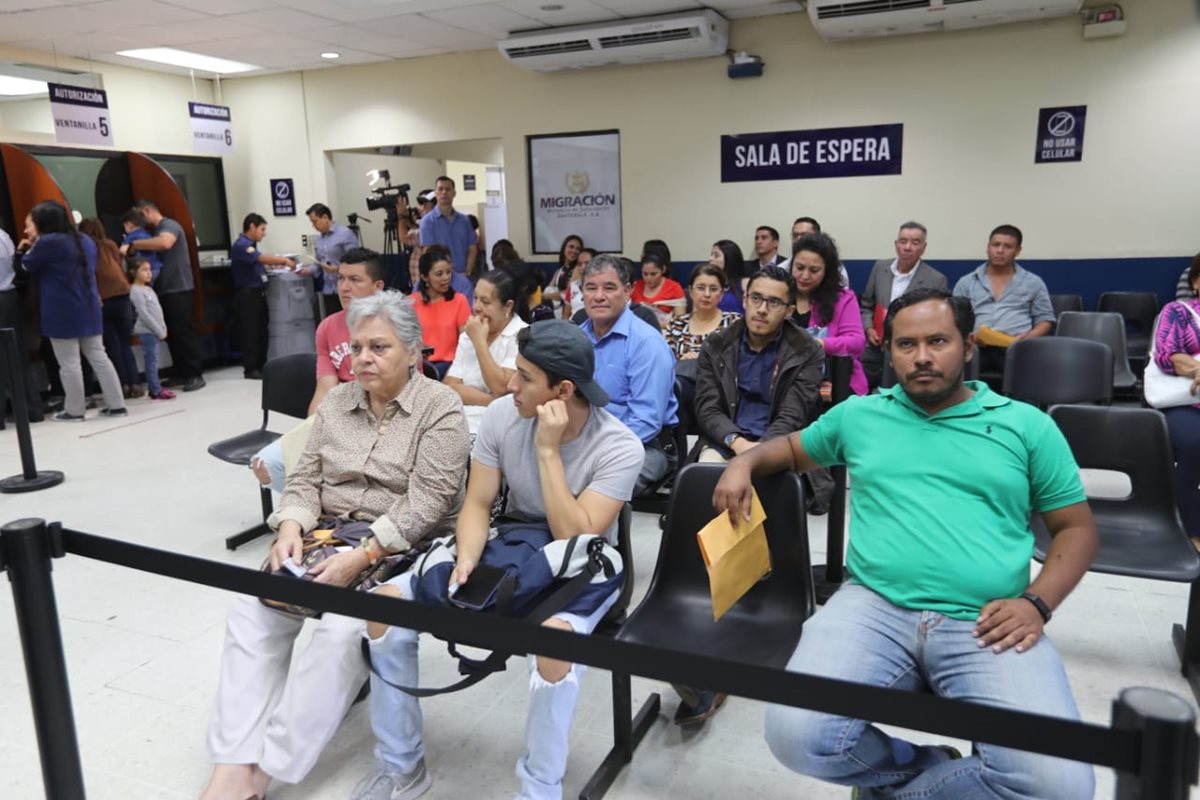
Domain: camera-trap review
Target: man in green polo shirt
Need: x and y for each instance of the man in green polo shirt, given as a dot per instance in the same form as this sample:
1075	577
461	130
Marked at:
945	475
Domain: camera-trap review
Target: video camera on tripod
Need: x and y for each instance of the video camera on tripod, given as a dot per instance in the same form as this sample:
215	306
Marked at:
385	197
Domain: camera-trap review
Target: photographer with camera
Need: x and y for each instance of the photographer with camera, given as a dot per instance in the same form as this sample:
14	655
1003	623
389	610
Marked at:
333	241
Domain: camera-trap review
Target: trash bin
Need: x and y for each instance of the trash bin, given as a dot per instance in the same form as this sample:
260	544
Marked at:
290	324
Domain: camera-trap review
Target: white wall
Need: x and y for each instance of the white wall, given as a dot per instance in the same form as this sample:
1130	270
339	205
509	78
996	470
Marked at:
968	100
28	116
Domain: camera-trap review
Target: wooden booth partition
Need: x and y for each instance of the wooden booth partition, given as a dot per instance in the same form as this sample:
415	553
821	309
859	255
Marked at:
29	183
150	181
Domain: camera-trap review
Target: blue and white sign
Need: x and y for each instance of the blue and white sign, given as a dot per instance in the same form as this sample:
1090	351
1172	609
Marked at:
1060	134
212	129
819	153
283	197
80	115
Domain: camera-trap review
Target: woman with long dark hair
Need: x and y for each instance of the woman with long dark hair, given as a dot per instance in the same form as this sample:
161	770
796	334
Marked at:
117	310
568	261
64	263
443	312
728	256
827	311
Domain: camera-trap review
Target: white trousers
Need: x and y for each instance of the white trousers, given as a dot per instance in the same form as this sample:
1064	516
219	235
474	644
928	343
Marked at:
264	715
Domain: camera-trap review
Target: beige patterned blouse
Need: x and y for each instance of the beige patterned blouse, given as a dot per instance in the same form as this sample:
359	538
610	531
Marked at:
404	473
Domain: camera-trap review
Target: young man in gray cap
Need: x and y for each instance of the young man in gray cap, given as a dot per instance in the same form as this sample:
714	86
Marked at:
566	462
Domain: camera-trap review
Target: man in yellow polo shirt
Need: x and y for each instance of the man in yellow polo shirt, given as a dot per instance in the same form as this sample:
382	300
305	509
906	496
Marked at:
945	475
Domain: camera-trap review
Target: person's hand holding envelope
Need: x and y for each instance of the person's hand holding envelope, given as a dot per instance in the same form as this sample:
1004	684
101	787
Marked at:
736	557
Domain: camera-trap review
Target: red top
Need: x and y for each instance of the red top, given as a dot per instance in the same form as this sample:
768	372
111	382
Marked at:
440	323
670	290
333	348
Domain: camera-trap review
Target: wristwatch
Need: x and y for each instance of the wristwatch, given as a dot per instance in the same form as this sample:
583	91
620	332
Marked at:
728	440
1040	605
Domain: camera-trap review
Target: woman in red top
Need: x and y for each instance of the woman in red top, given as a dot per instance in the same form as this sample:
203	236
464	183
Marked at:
658	291
442	311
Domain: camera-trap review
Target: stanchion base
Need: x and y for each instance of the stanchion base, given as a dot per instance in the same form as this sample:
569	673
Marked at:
822	588
16	484
1191	672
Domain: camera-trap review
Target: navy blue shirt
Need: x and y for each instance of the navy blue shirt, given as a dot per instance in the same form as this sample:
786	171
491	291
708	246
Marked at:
247	272
755	371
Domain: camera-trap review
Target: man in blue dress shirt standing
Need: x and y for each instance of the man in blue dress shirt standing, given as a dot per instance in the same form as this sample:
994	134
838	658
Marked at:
334	240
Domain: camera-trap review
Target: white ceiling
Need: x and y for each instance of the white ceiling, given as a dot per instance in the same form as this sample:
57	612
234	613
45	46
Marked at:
286	35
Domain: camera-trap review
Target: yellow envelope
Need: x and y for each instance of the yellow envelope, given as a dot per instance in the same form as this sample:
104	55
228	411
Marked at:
736	558
990	337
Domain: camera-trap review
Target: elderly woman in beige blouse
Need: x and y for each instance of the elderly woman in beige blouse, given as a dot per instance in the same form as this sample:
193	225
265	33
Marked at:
389	448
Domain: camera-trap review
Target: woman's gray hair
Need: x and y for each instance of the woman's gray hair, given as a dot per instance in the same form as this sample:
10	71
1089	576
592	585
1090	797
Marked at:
393	307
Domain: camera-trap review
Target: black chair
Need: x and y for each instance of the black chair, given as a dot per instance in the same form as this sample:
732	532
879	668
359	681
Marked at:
287	388
1066	302
762	628
656	497
1050	370
1141	535
1138	309
888	380
616	614
1107	328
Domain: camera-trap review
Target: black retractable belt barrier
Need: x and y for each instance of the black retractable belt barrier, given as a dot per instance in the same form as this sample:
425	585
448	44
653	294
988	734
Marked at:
30	480
1141	721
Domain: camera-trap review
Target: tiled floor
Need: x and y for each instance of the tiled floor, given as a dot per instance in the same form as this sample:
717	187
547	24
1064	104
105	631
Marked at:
143	650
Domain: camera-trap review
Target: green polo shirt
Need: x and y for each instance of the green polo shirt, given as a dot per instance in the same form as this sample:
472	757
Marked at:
939	512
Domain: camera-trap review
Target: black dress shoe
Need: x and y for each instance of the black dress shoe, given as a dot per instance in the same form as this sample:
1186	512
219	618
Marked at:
252	375
194	383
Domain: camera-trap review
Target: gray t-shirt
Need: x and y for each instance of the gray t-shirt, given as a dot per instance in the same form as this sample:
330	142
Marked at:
606	457
176	275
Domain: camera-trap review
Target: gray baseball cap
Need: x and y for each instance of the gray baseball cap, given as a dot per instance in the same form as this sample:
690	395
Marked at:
561	348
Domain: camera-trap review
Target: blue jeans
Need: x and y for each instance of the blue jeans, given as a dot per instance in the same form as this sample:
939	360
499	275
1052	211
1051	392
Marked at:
149	344
859	636
396	716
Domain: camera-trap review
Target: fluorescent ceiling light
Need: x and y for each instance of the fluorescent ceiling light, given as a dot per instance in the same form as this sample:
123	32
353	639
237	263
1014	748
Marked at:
182	58
331	55
16	87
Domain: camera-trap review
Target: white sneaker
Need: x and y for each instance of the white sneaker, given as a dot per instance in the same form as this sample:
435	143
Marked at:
384	785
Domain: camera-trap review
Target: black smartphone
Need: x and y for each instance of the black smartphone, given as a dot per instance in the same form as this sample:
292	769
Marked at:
480	587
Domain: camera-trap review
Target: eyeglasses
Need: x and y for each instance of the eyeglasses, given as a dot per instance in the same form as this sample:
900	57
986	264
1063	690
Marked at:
774	303
707	289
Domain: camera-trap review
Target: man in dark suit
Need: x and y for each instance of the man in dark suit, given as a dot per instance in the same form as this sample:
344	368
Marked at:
891	278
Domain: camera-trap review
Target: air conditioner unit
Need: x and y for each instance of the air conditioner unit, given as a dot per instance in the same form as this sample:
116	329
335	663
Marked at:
848	19
628	41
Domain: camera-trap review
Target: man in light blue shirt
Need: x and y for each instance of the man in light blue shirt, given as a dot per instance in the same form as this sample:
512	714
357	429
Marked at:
333	242
445	226
634	365
1005	297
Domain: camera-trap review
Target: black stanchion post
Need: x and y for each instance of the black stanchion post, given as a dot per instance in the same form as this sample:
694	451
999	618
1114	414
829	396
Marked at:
27	546
827	577
30	480
1170	760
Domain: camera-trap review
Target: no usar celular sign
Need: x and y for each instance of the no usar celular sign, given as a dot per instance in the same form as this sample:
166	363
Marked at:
80	115
818	153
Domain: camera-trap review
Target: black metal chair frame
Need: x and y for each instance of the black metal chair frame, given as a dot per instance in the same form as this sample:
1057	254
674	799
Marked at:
291	400
679	565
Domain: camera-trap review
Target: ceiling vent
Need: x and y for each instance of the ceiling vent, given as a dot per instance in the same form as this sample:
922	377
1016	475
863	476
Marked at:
837	19
628	41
